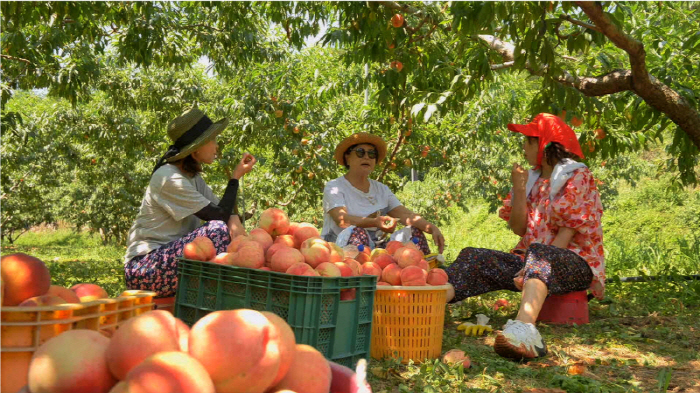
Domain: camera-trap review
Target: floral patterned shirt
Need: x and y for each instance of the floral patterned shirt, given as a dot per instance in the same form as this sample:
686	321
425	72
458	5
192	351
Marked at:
577	205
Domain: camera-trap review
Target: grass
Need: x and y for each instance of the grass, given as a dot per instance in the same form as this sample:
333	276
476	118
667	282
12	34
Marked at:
643	337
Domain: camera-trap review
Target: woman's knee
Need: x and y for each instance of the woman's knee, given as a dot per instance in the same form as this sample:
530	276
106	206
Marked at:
217	226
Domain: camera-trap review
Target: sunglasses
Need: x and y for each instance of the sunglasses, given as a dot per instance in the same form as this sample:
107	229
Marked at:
360	152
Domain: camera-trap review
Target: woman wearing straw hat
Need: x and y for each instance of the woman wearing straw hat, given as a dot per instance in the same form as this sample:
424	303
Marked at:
358	210
176	201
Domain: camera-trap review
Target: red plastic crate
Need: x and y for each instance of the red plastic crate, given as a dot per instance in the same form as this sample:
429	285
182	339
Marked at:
567	309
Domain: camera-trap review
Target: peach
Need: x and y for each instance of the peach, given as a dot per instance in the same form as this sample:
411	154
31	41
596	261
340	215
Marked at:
437	277
455	357
272	250
406	257
142	336
384	260
423	264
309	373
274	221
238	242
372	269
287	240
250	255
220	339
72	362
121	387
285	258
328	269
345	270
169	372
354	265
89	292
64	293
265	268
23	276
292	228
288	344
414	246
315	251
303	232
337	253
392	274
383	284
376	253
392	246
224	258
43	300
362	257
262	237
413	276
302	269
348	294
200	249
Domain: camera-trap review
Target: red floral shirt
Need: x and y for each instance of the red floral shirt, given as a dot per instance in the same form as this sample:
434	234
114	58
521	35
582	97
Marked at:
577	205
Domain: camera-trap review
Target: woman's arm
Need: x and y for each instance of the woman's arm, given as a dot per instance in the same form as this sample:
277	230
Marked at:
563	237
343	219
409	218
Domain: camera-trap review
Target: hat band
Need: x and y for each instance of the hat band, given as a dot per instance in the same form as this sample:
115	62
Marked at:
193	133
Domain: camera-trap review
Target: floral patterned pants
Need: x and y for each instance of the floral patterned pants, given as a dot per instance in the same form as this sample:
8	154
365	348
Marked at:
480	270
360	236
157	270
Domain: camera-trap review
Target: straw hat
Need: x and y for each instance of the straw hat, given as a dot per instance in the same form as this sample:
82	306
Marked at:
358	139
192	130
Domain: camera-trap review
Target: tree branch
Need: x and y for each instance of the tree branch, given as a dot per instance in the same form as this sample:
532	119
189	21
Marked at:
8	57
578	22
657	94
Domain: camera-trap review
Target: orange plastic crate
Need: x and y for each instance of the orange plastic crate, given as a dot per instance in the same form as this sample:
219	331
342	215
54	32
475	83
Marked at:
24	329
408	322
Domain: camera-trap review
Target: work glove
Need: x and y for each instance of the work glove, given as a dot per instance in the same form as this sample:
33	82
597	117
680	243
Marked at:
477	329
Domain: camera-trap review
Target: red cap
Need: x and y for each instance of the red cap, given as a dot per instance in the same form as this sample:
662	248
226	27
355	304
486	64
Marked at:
549	128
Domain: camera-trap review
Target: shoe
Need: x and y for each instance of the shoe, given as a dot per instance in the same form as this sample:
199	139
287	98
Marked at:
519	341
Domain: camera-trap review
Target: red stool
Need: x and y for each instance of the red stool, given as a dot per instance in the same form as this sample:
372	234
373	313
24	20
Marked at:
165	303
567	309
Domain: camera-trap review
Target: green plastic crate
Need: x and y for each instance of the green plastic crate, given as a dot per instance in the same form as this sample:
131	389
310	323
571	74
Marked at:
341	330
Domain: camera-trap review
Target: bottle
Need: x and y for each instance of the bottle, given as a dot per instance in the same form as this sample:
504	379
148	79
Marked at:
351	251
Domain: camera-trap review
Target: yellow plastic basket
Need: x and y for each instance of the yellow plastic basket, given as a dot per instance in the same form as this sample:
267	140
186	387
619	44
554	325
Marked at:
24	329
408	322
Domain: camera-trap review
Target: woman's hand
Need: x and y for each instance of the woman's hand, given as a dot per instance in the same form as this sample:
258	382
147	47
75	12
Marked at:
244	166
519	278
386	223
518	177
438	239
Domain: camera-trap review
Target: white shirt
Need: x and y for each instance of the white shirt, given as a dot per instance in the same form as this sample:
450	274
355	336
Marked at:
339	192
167	210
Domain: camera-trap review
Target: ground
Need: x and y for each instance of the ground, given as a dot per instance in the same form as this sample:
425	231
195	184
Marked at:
643	337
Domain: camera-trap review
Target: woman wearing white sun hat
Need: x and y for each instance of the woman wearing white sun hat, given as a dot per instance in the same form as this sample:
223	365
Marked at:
358	210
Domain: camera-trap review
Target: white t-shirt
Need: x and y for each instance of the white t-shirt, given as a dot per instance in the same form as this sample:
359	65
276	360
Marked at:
167	210
339	192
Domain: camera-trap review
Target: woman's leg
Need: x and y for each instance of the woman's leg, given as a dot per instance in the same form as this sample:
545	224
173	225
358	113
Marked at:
554	270
422	240
547	269
157	270
480	270
359	236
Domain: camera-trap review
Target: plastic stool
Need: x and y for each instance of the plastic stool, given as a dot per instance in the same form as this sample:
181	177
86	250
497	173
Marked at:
567	309
165	303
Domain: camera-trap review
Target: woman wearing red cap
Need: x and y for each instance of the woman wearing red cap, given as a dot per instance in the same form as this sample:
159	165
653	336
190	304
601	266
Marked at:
556	209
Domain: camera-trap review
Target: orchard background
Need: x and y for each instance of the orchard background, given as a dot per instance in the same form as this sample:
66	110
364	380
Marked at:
88	89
